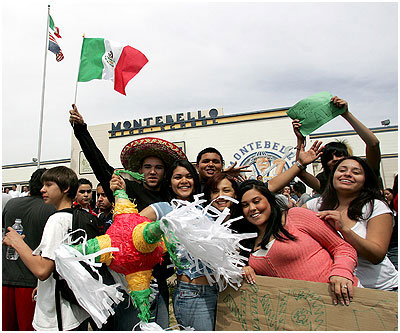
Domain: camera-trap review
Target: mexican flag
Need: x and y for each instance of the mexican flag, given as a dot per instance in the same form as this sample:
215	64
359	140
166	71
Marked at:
108	60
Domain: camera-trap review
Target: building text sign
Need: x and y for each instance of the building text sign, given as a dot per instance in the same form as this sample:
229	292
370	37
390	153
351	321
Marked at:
165	123
266	158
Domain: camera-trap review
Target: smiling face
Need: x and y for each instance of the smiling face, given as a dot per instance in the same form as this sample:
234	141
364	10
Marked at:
349	177
223	188
209	165
153	170
182	183
256	208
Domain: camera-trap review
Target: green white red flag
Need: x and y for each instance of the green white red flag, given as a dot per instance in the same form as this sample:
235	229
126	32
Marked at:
53	44
108	60
54	28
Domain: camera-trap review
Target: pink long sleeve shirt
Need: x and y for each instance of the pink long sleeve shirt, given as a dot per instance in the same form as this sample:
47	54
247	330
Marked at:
317	253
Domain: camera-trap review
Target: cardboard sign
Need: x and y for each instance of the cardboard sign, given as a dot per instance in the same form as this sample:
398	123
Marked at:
274	304
314	111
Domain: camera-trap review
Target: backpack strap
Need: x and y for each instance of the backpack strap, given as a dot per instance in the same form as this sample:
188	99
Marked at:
58	307
56	277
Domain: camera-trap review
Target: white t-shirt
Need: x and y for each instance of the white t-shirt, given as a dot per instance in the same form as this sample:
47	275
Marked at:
381	276
45	317
14	194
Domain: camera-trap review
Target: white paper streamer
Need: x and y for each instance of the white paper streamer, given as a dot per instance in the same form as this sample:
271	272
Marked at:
155	327
94	296
197	237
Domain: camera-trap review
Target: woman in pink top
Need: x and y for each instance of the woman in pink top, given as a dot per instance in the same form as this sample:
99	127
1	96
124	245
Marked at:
294	244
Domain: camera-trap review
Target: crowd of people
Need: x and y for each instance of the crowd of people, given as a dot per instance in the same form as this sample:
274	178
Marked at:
344	234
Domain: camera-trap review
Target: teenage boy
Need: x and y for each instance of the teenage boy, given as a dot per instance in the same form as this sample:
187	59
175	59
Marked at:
84	195
150	157
59	188
18	281
209	162
300	190
105	208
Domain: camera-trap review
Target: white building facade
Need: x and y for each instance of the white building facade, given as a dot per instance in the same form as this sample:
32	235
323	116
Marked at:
264	139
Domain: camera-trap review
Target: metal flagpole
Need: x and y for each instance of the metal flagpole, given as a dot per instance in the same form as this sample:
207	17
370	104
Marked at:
79	68
43	89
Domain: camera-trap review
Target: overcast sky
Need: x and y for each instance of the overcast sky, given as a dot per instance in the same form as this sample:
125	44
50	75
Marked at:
236	55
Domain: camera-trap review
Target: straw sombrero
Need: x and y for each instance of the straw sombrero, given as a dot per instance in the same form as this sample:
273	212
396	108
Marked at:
135	151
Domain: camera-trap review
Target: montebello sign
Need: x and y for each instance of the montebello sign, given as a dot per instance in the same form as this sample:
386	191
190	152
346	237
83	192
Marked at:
165	123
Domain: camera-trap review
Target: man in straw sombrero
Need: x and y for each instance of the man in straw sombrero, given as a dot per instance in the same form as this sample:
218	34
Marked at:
151	157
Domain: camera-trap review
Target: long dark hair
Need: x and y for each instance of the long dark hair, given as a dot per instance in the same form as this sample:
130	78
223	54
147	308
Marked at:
274	226
336	148
189	167
368	192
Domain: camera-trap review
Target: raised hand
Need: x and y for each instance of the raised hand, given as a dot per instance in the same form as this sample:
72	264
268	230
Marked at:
296	129
75	117
309	156
340	103
117	183
235	172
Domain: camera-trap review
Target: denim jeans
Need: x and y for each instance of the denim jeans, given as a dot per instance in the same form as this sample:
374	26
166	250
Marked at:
160	306
126	315
393	255
195	305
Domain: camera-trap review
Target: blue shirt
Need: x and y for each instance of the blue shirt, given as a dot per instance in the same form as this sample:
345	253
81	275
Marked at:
161	209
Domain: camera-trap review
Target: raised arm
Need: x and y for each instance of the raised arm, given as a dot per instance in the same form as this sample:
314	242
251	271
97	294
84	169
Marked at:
101	169
307	178
235	172
372	150
305	158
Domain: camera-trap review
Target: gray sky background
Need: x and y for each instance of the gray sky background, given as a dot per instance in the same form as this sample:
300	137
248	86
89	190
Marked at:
236	55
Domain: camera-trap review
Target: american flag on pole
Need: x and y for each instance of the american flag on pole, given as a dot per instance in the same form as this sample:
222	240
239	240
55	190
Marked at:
55	48
53	45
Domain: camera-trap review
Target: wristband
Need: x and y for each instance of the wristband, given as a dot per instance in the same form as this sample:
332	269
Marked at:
301	166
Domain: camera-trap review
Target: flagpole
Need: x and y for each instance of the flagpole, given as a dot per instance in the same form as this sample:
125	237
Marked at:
43	90
79	68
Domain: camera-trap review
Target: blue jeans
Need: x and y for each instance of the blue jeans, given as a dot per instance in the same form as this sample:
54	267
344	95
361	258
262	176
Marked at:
126	315
160	306
196	305
393	255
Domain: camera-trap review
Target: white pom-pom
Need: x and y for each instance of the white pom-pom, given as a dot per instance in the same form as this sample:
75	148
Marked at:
198	237
94	296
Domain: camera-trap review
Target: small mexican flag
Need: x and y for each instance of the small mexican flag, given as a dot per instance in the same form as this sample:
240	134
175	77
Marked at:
108	60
